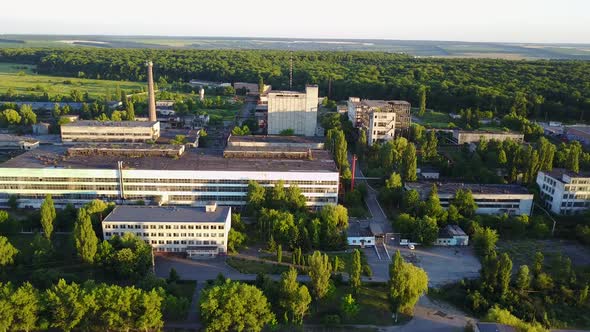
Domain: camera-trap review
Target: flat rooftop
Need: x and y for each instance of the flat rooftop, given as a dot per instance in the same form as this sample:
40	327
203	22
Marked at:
558	173
276	139
450	231
358	229
198	159
382	103
95	123
450	188
14	138
134	213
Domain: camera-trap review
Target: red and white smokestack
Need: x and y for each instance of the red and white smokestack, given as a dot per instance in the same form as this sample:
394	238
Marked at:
151	93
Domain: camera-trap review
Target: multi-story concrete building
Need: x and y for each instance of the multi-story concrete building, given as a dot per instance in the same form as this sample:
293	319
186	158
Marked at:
465	137
293	110
190	177
110	131
379	118
381	126
564	192
198	232
490	198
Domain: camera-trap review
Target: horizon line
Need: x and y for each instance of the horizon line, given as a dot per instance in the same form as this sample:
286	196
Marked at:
294	38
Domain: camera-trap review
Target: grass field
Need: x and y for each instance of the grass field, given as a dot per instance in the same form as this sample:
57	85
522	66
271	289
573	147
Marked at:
433	119
23	81
373	305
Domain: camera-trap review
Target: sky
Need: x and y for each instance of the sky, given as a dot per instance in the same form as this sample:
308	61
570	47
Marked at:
534	21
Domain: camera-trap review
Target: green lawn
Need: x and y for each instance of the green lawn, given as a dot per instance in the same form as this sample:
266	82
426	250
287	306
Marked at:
433	119
373	306
25	82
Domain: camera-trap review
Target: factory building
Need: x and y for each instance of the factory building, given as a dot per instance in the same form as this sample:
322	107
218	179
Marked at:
490	198
564	192
293	110
12	142
465	137
379	118
110	131
163	175
198	232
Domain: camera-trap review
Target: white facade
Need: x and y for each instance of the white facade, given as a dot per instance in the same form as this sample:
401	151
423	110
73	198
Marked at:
381	127
564	192
198	238
169	187
361	241
293	110
490	199
110	131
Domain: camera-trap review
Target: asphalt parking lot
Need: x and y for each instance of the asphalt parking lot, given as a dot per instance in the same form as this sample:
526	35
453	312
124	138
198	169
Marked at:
442	264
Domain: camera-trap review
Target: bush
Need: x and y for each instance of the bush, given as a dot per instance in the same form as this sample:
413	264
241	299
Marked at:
331	320
367	271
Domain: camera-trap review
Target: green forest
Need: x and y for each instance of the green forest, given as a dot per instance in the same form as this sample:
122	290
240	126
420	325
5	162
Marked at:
544	89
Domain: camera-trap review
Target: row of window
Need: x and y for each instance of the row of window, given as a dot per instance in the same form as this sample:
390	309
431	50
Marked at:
244	183
186	241
160	226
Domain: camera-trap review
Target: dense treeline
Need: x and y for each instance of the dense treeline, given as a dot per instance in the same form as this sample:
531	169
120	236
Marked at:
556	89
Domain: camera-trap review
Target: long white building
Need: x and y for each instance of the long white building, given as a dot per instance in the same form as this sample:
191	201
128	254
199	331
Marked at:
564	192
293	110
490	198
194	178
198	232
110	131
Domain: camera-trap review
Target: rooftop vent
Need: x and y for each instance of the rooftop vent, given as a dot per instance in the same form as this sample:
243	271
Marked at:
210	206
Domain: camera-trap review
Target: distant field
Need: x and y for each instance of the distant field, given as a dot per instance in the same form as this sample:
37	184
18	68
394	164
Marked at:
413	47
21	79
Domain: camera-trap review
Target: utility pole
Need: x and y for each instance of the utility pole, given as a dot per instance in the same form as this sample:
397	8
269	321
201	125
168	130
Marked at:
354	158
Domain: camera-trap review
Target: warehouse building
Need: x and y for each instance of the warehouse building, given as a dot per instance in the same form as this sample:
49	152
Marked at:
452	235
159	175
490	198
564	192
110	131
465	137
198	232
297	111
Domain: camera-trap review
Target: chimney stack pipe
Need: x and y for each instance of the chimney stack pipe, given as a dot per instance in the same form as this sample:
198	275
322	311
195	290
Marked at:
151	93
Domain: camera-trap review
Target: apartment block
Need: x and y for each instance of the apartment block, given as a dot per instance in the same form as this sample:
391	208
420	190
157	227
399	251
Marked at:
564	192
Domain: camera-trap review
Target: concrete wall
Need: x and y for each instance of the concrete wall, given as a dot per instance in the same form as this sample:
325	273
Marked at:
462	137
297	111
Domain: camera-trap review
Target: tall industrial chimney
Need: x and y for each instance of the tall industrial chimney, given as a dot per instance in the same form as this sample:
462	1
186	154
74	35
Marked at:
151	93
